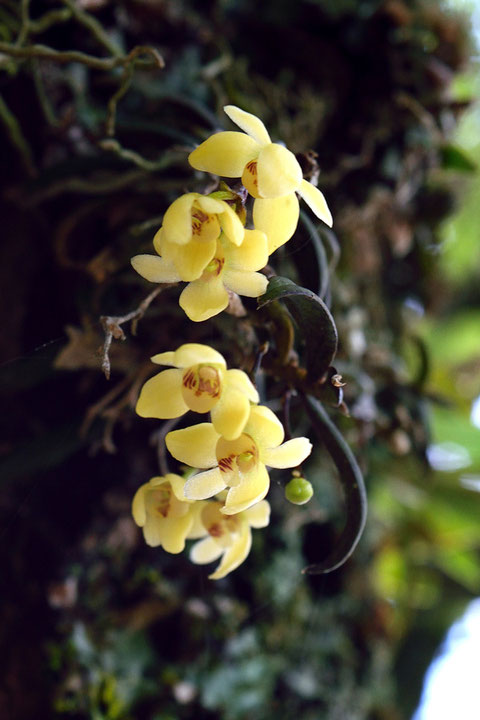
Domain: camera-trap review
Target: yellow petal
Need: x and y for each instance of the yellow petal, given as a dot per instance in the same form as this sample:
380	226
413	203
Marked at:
157	241
258	516
232	225
252	253
225	153
138	505
251	124
240	381
166	249
161	396
230	414
177	221
205	485
210	205
170	533
290	454
250	284
250	491
264	427
316	201
194	446
278	171
192	354
203	299
198	528
166	358
156	481
278	218
205	551
178	484
235	554
155	269
152	531
191	260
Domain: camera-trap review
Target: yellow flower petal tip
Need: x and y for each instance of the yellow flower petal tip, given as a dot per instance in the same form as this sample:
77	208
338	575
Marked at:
228	537
268	170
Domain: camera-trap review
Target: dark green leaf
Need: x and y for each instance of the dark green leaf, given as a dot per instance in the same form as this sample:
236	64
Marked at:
321	255
314	321
352	482
454	158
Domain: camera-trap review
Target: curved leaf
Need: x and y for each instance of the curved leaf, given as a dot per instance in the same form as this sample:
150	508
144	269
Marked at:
321	255
352	482
312	317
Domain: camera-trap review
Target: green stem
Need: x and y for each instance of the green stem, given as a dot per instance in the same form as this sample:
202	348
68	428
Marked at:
47	53
45	103
16	136
96	28
135	158
52	17
127	76
25	22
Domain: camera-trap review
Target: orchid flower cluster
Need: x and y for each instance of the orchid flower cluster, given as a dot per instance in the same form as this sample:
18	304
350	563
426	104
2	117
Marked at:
203	241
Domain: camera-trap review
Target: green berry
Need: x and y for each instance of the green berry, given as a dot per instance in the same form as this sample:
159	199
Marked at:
298	491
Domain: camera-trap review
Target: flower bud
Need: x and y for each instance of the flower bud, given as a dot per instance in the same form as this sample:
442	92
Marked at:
298	491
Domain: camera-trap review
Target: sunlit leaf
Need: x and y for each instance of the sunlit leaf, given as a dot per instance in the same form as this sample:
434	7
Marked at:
454	158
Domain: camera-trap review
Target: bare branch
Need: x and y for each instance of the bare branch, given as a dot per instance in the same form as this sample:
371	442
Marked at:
16	135
64	56
112	325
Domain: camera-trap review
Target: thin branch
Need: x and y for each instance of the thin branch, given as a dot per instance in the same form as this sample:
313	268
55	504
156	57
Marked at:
96	28
143	227
127	75
114	146
261	352
25	22
112	324
85	186
52	17
286	407
16	136
158	439
42	95
65	56
125	393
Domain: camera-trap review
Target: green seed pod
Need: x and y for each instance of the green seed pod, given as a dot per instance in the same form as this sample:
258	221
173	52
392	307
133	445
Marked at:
298	491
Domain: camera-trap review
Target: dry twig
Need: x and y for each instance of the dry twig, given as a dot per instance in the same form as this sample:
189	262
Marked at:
112	324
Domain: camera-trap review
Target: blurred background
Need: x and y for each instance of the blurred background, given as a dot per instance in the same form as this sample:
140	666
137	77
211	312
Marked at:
93	149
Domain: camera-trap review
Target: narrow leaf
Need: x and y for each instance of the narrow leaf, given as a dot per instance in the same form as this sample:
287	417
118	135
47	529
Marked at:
313	319
352	483
321	255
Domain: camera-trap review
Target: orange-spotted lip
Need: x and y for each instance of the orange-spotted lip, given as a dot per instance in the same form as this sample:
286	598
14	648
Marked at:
240	455
201	387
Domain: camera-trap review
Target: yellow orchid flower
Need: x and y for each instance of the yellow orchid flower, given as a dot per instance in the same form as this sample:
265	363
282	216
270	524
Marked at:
161	509
188	237
270	172
229	268
199	381
228	536
238	464
200	217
